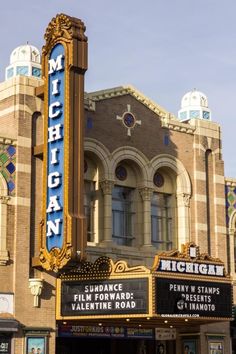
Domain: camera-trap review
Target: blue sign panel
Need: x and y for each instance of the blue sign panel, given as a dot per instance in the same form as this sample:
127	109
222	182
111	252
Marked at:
55	149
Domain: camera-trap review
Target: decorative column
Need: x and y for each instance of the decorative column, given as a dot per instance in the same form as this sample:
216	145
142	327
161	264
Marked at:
107	187
4	256
183	202
146	194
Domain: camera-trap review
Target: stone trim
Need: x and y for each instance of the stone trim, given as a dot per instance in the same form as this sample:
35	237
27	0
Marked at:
24	142
19	201
201	227
219	179
200	175
200	198
220	229
168	120
21	167
219	201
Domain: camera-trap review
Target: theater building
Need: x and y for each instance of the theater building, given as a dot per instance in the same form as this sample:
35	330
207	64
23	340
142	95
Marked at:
116	233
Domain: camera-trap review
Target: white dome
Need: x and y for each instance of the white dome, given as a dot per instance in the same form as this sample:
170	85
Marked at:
194	98
25	53
25	60
194	105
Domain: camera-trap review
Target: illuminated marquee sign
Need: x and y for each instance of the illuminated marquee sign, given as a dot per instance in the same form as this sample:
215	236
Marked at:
123	296
64	62
180	266
193	298
55	159
189	263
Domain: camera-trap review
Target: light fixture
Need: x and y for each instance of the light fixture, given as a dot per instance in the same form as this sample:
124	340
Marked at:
140	325
171	326
148	318
100	324
127	319
165	321
186	320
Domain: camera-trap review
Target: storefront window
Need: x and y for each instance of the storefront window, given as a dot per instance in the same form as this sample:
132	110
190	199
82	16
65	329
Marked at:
122	215
161	221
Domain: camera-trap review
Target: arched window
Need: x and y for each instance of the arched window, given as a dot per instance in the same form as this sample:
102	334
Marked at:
163	209
122	215
125	203
162	221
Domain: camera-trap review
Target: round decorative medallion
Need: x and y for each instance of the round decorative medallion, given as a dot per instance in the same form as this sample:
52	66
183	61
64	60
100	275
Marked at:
129	120
158	180
121	173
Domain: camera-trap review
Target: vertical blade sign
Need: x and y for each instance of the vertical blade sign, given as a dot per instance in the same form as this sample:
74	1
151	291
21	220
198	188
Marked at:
64	62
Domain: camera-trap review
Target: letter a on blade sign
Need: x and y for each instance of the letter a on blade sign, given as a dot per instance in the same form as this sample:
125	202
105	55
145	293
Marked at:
62	228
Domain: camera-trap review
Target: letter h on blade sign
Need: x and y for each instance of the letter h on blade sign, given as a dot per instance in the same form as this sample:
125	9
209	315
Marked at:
62	228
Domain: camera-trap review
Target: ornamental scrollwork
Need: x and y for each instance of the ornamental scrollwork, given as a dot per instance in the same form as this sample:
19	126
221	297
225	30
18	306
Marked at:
63	26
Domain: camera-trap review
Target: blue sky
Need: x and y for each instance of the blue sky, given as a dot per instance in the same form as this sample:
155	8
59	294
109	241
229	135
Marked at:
162	47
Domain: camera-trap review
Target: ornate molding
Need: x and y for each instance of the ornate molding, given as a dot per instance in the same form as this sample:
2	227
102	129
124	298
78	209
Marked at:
103	267
107	186
183	199
185	254
175	125
7	141
56	258
4	199
128	89
146	193
63	27
231	182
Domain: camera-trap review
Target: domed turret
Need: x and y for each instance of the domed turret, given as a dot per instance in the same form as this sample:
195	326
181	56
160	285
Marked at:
194	105
24	60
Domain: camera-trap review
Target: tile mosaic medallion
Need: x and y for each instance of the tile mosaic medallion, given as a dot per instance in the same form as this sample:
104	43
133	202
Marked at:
8	166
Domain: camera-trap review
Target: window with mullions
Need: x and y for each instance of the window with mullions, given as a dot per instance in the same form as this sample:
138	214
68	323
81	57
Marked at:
161	221
89	208
122	215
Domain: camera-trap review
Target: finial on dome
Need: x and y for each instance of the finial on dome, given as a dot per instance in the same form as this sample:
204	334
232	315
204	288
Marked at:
24	60
194	105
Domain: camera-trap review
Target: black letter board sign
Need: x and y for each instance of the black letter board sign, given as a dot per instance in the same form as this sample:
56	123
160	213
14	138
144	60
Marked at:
194	298
105	297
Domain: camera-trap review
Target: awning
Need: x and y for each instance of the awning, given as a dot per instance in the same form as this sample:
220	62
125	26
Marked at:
9	325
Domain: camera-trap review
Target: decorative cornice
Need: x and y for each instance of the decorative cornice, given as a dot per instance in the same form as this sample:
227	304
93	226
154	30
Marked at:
89	104
168	120
177	126
126	90
7	141
231	182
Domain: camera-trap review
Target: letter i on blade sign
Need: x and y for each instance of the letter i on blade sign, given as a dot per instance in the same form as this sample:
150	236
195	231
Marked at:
62	228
